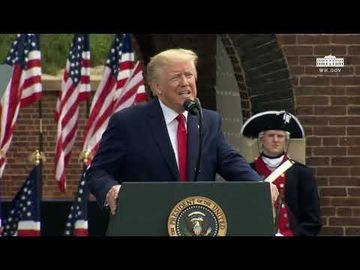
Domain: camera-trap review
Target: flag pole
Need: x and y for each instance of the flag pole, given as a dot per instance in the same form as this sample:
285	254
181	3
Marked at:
85	156
38	157
40	148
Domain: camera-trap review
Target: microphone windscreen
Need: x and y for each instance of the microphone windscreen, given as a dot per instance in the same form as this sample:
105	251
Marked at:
191	106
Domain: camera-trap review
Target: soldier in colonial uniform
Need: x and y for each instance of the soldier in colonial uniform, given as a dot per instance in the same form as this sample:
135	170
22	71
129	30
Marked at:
298	206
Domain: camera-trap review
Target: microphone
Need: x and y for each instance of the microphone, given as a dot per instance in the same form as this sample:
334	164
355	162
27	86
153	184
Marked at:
191	106
194	108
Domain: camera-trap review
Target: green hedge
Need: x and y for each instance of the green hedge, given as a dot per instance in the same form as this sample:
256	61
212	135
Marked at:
55	47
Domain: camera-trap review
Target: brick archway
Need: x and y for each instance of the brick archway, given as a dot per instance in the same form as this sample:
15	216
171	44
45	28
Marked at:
260	64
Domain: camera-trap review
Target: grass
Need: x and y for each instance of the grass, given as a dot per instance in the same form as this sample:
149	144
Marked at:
55	47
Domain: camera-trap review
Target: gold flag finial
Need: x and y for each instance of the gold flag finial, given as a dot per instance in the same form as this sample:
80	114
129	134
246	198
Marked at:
36	156
86	157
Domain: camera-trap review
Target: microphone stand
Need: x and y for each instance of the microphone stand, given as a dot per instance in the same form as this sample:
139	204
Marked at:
200	118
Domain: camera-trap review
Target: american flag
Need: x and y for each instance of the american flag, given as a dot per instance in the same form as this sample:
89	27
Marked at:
75	88
77	221
133	91
23	217
115	92
23	89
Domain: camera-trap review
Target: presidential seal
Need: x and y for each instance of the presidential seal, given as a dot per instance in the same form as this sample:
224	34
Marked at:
197	216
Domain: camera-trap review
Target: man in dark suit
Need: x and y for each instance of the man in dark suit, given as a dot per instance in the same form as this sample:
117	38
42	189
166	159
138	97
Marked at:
147	142
298	208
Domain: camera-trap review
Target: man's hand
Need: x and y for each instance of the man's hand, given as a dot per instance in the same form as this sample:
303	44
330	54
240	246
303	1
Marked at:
111	198
274	193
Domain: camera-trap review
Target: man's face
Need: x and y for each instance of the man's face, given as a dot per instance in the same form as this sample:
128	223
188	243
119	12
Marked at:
176	82
273	142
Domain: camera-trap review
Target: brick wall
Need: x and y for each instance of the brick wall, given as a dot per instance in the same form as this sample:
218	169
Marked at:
328	105
26	140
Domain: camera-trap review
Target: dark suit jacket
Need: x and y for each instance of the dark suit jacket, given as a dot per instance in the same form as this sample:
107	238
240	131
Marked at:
136	147
302	199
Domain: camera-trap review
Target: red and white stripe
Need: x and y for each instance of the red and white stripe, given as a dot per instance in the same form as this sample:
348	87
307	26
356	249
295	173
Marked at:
100	111
28	228
133	90
67	115
81	228
105	100
23	89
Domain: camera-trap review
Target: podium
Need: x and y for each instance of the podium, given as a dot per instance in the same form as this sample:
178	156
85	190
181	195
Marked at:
193	208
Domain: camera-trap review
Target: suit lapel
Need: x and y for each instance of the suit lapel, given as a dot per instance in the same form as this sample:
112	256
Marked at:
193	145
161	137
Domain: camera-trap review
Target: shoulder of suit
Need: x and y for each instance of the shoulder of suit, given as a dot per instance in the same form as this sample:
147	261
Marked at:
129	115
132	110
210	112
299	164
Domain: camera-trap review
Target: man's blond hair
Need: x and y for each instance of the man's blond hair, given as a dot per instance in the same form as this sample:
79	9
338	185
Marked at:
164	58
262	134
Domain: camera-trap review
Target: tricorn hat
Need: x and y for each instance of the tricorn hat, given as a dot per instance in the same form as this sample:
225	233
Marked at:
277	120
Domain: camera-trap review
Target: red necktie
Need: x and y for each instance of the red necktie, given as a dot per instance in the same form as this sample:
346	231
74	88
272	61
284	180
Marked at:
182	147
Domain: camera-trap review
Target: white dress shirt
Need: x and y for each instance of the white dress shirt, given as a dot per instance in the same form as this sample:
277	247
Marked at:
172	125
